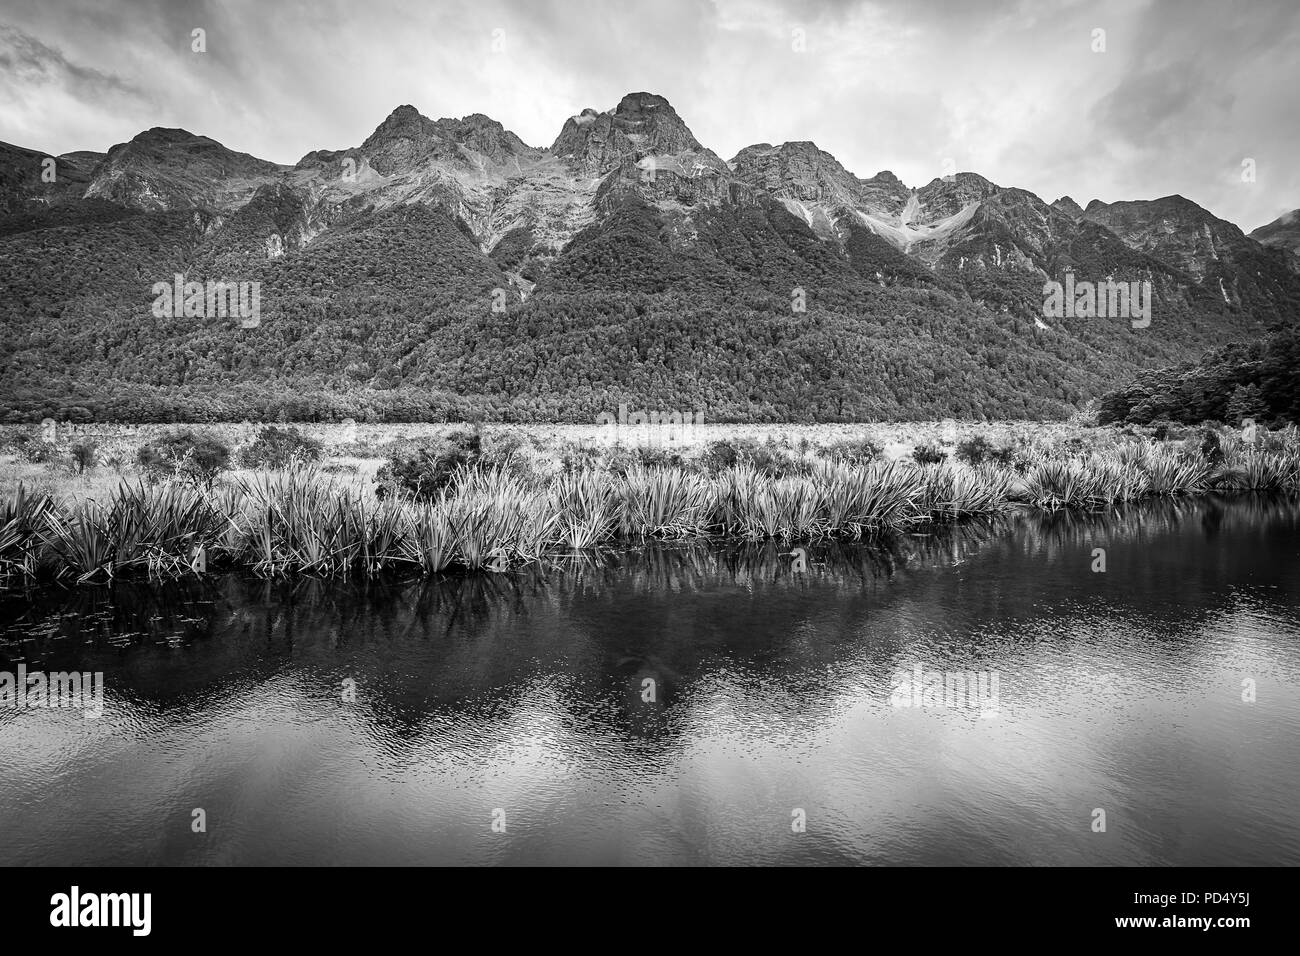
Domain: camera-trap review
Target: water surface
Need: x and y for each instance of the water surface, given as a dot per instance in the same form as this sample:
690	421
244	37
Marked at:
523	698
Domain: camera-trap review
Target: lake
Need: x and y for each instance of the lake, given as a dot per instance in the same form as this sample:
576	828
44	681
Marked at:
972	695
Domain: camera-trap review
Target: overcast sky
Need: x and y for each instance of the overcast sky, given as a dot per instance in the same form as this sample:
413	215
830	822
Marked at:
1183	93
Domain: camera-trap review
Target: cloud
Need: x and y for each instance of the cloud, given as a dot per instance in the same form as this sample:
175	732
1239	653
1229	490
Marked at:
1014	91
47	98
27	62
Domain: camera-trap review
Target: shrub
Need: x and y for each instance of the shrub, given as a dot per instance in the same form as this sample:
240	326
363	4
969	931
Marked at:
1007	456
84	455
852	449
620	460
974	450
578	458
768	460
928	455
719	455
279	448
655	457
195	455
33	449
514	455
1283	441
361	449
1211	447
426	472
1074	445
502	448
1164	430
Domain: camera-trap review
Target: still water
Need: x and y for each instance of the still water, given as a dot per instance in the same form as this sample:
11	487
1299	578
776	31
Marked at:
690	703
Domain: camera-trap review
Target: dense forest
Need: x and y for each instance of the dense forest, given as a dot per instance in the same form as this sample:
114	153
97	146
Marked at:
398	315
1259	380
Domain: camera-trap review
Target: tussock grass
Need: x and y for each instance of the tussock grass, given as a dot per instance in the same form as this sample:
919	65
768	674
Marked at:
490	517
1251	469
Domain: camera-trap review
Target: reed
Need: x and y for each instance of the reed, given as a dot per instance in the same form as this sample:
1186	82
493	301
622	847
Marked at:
428	541
301	520
21	518
157	527
1171	473
585	507
664	501
864	498
783	508
496	518
295	520
956	491
1098	481
1250	469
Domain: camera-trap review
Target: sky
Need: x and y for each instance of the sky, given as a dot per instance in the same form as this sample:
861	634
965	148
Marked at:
1171	96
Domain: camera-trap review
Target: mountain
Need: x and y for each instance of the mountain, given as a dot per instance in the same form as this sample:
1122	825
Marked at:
444	268
998	244
164	169
30	182
1282	233
1255	378
1217	254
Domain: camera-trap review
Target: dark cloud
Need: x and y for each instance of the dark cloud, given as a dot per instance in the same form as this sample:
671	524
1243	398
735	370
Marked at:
25	60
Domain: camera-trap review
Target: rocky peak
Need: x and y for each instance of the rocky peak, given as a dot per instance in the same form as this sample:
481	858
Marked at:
165	168
941	198
1173	229
641	125
319	158
404	140
403	116
163	135
885	192
1069	207
161	145
485	136
653	117
1166	214
797	170
407	141
966	184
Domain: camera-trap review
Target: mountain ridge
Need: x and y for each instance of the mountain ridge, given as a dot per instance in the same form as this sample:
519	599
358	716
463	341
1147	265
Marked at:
625	218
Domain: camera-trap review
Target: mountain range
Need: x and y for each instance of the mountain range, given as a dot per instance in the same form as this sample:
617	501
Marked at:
445	269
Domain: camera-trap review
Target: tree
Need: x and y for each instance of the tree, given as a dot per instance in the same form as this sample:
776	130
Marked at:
1246	402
